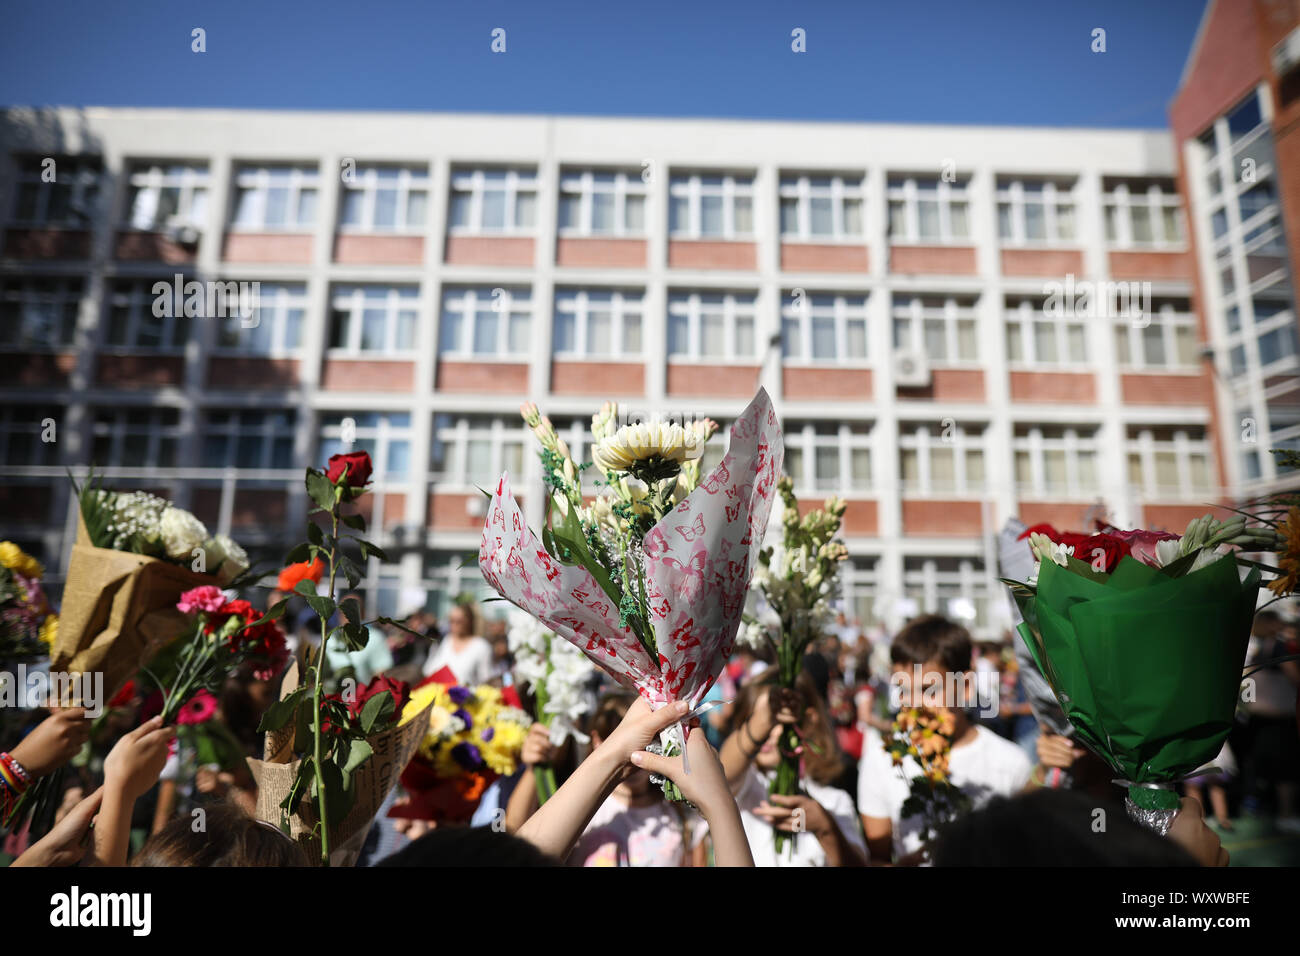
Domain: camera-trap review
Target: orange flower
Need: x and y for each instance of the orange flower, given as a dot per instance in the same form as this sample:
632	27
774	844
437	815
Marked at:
302	571
1288	562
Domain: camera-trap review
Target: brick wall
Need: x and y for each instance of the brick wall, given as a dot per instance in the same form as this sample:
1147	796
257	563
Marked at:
1174	518
252	372
932	260
1138	389
40	369
1075	388
722	381
267	247
47	244
139	371
362	375
1063	516
949	385
489	250
703	254
814	257
961	519
598	378
600	253
152	247
264	508
379	250
860	518
1053	263
836	384
485	377
1151	266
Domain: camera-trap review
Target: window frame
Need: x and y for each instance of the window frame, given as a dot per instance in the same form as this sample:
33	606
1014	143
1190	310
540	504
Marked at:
518	179
85	183
1077	439
626	185
801	434
513	296
70	290
622	306
258	178
284	299
267	434
733	309
691	185
956	310
1026	316
1011	191
394	304
845	308
384	434
189	177
915	436
411	178
501	431
1145	445
910	189
841	188
140	300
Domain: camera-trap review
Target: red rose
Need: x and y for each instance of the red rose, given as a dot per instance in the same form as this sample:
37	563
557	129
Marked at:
1105	546
400	690
356	464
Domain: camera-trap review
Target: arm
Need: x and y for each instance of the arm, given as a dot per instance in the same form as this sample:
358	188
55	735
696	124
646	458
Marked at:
131	768
744	743
523	801
53	742
706	787
879	832
801	812
555	828
65	844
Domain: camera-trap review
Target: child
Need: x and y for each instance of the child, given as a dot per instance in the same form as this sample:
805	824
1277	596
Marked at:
931	657
825	814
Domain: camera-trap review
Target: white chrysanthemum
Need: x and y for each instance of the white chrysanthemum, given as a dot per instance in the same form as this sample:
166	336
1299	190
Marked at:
226	558
181	533
647	440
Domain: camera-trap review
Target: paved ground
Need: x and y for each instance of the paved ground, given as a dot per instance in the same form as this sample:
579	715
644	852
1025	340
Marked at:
1255	841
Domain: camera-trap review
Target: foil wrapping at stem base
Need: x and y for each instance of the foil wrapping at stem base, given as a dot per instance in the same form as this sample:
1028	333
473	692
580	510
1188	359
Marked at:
1157	820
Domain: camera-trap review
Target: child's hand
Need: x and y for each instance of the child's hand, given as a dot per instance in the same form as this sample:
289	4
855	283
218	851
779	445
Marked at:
537	746
706	784
1189	831
795	814
639	728
134	763
1057	751
54	741
65	844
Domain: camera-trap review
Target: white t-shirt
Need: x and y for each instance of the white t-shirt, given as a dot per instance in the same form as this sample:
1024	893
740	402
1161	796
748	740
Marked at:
620	835
807	849
472	664
986	767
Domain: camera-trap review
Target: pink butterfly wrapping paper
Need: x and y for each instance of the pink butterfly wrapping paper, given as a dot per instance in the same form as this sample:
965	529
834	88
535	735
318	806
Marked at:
698	562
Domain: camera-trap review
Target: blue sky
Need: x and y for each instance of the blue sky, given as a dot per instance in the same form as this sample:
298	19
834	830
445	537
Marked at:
933	61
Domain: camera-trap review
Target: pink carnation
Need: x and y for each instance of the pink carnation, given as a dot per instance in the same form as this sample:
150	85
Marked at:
1142	543
205	599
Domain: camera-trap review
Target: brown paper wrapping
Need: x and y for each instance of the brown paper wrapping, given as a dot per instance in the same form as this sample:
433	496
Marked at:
118	610
392	750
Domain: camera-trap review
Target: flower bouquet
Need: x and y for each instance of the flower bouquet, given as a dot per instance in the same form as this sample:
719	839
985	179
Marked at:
557	673
925	735
649	579
1142	637
474	735
331	758
135	554
797	586
28	624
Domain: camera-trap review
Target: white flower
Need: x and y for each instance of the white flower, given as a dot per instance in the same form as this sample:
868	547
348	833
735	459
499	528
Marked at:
1168	551
1045	549
646	440
226	558
181	533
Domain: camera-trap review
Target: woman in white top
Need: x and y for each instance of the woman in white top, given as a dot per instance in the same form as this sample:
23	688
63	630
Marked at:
467	654
820	821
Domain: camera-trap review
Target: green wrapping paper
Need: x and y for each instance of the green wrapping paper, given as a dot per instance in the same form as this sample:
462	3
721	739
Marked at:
1147	667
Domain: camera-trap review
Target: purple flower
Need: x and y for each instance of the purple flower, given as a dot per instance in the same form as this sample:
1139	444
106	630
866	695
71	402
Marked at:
467	755
487	734
463	714
459	695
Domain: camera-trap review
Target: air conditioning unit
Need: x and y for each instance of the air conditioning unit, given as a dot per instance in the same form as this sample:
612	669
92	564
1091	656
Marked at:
476	505
911	370
1286	55
183	234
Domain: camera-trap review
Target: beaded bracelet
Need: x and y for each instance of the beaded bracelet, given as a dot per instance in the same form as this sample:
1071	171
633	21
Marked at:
13	774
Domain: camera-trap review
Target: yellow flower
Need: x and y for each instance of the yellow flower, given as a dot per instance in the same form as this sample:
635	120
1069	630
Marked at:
15	559
50	630
420	698
1288	563
502	751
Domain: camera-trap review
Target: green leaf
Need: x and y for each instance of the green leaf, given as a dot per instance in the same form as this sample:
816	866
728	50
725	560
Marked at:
397	624
355	636
299	554
319	603
341	796
368	549
350	570
300	782
279	713
314	534
377	712
320	489
356	521
358	753
273	613
351	608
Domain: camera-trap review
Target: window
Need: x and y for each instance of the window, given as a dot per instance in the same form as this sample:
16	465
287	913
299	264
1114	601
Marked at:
246	438
141	437
712	325
160	196
385	199
385	435
712	206
1168	341
275	326
29	433
1245	119
597	323
493	201
941	458
596	203
928	209
1036	337
373	318
447	576
473	450
821	207
485	322
861	585
1035	211
943	328
134	322
952	586
1169	462
276	197
39	313
1142	213
824	327
68	200
828	457
1056	460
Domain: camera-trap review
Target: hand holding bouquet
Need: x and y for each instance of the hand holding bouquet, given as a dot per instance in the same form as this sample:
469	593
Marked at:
925	736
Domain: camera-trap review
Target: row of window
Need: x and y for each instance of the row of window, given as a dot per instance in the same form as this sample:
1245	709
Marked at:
606	323
471	450
599	202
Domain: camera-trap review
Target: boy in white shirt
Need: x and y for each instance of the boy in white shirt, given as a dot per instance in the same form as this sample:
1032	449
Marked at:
931	660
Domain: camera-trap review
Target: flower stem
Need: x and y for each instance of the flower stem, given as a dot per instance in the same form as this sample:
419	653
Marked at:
318	675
